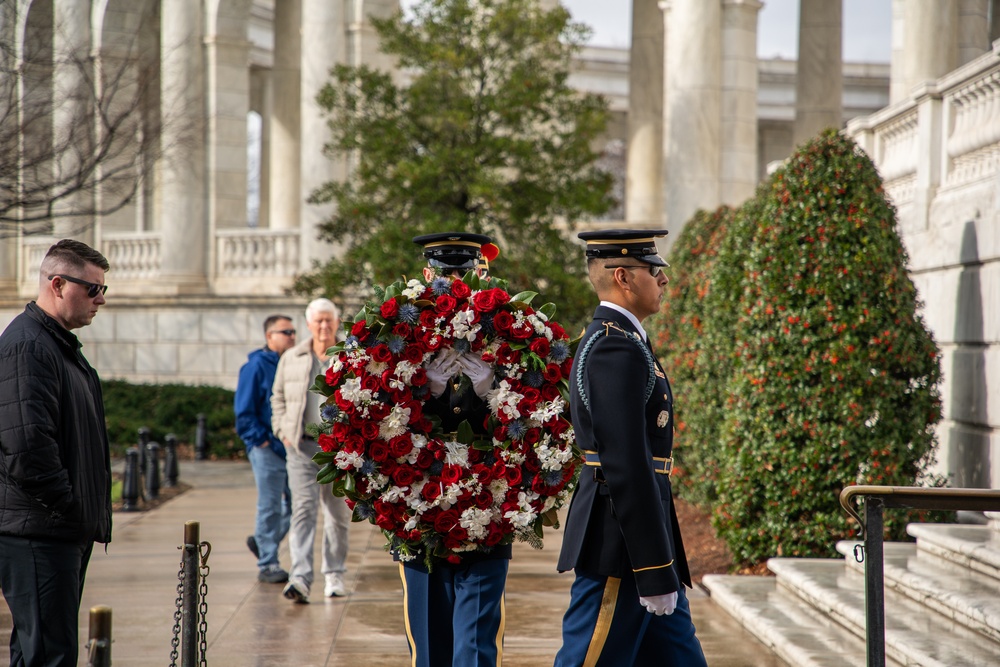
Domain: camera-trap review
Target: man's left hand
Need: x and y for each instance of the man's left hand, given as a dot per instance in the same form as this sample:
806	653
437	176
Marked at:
478	371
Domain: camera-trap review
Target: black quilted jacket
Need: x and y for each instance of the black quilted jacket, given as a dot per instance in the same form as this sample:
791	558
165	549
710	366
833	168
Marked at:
55	466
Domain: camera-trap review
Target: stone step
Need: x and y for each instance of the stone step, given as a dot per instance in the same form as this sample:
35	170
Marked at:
796	633
974	547
914	635
966	597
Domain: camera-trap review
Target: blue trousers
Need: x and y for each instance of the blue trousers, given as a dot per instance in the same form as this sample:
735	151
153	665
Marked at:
42	581
455	615
274	503
605	626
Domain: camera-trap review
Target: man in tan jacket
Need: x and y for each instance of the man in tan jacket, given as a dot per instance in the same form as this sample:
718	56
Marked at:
292	407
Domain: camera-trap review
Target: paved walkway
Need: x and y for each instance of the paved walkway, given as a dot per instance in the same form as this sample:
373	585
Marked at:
251	625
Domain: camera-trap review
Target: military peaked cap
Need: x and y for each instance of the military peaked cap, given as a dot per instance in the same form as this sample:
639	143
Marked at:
637	243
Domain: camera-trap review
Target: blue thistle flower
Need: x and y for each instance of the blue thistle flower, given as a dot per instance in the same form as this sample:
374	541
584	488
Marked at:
516	430
367	466
462	345
552	477
395	344
440	286
486	322
409	313
436	468
351	341
364	511
533	378
329	412
559	351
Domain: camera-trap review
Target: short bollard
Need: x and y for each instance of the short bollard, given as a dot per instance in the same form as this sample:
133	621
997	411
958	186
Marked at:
153	470
131	481
170	460
99	644
200	439
143	441
189	611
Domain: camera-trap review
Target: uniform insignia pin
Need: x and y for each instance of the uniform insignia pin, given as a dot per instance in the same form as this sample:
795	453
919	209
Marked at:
663	418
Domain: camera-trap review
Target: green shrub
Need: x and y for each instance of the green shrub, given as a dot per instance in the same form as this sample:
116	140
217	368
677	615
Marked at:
170	408
833	375
678	336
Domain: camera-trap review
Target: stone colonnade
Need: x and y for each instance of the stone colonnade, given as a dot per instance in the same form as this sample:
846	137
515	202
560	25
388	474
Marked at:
693	90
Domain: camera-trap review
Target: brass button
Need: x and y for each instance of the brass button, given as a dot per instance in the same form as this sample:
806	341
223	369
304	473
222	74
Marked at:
456	410
664	397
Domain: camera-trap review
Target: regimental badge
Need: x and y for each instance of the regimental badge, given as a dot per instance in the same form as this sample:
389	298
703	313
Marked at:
663	418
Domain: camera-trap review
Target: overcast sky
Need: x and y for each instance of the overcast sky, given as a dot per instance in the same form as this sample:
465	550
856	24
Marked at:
867	26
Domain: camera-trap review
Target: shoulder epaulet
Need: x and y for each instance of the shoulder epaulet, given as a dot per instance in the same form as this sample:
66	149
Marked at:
634	337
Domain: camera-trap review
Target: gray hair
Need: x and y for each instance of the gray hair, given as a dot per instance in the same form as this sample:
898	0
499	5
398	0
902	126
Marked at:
317	306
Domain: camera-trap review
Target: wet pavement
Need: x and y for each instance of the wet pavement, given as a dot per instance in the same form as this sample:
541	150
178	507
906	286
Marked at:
251	625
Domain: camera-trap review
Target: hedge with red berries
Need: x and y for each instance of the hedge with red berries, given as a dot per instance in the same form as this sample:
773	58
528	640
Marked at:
816	369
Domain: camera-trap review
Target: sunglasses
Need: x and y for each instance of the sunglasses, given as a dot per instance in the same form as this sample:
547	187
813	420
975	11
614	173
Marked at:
287	332
653	270
93	289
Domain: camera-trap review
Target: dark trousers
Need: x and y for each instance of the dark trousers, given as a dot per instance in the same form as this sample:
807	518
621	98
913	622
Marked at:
42	581
455	615
605	626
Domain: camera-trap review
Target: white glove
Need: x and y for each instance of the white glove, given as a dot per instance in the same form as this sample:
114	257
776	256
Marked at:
660	604
441	369
478	371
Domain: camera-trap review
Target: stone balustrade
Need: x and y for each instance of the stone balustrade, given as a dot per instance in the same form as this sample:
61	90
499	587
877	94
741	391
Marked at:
973	145
134	256
261	253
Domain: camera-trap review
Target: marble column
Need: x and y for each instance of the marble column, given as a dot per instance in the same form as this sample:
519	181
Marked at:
324	44
930	42
739	177
284	191
72	116
973	29
897	57
819	77
9	238
692	109
183	224
643	175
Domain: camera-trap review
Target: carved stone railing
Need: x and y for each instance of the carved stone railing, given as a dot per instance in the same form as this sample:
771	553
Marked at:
895	149
34	249
257	253
973	145
133	255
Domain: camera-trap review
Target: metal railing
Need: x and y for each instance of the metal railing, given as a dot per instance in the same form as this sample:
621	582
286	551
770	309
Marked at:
876	498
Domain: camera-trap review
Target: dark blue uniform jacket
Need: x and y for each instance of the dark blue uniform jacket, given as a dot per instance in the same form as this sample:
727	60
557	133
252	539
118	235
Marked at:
622	517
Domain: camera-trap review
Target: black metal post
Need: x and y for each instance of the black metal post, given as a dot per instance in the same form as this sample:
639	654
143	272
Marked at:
874	582
170	460
200	439
131	481
189	605
143	441
99	645
153	470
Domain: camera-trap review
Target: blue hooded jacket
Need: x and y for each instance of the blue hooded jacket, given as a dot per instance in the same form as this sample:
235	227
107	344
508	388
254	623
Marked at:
252	403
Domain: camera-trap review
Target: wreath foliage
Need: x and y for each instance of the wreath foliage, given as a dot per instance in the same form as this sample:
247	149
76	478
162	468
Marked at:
435	494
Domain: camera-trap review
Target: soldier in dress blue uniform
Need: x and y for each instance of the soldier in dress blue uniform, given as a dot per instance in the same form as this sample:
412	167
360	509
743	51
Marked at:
454	614
628	605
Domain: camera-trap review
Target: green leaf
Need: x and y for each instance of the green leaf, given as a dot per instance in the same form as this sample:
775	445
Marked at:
464	434
523	297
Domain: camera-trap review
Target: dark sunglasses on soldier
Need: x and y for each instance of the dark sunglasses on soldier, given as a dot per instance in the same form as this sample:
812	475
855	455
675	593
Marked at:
93	289
653	269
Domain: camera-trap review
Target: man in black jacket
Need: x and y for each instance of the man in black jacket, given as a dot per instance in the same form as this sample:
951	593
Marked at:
55	466
628	604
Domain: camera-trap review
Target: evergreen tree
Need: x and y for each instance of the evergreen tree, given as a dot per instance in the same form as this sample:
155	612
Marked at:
487	136
678	334
834	376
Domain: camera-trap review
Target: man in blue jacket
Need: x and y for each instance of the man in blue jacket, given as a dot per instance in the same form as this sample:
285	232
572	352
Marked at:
55	467
265	451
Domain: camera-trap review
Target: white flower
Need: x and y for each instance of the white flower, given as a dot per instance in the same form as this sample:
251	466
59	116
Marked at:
394	423
393	493
502	399
405	371
376	367
475	521
346	461
351	391
463	326
456	454
337	365
548	410
414	288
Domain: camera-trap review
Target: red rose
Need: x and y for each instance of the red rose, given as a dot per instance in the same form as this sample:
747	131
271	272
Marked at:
513	476
359	328
540	346
532	436
341	431
446	521
531	463
425	459
484	301
451	474
400	446
558	332
502	321
566	366
342	403
445	304
405	475
333	379
557	427
523	332
550	392
380	353
454	539
378	411
353	444
552	373
402	329
507	357
431	492
419	378
370	382
378	450
326	442
483	500
389	309
460	290
416	412
494	535
413	354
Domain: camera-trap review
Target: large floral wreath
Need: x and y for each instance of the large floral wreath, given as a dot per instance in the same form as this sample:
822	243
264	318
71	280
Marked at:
437	494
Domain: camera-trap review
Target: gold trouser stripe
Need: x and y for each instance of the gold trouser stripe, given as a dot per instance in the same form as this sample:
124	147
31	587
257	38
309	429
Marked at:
604	618
503	625
406	618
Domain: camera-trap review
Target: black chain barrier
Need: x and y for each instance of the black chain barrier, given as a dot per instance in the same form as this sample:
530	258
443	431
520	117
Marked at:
191	615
